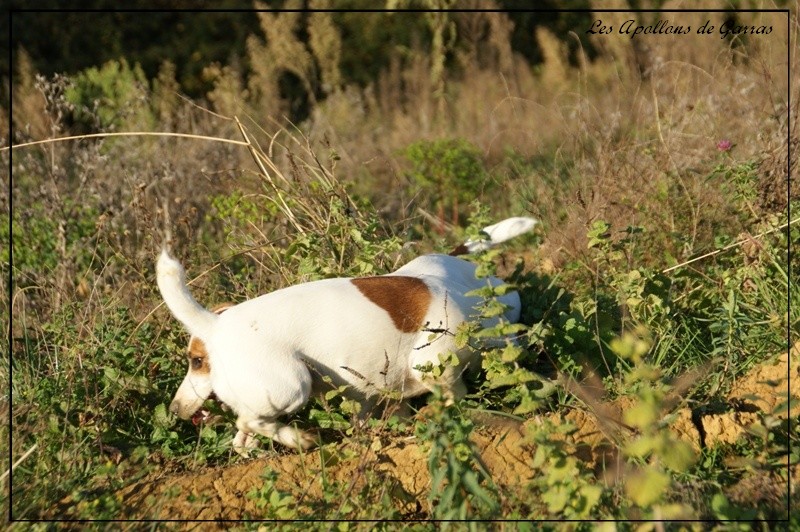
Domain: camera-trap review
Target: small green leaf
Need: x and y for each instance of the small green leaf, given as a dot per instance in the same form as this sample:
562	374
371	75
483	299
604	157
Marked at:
591	496
641	447
647	486
111	373
539	457
556	498
678	456
161	419
641	415
511	353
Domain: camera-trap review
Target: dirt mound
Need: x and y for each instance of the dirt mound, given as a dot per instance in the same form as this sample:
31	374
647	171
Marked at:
400	464
221	493
762	390
765	389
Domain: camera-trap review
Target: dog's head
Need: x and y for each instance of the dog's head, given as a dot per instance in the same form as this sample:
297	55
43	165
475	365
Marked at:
196	386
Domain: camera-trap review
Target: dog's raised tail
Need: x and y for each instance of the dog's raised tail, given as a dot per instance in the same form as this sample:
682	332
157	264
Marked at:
497	233
172	284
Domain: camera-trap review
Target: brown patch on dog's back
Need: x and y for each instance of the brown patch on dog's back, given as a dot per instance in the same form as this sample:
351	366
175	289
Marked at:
406	299
459	250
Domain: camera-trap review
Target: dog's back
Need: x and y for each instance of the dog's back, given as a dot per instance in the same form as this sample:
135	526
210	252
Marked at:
458	277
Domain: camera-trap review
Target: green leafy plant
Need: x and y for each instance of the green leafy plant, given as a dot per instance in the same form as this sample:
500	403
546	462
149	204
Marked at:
349	246
563	484
654	445
505	361
741	179
42	241
274	503
461	487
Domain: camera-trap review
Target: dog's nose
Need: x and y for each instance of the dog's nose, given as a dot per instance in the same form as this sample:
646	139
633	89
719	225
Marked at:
174	407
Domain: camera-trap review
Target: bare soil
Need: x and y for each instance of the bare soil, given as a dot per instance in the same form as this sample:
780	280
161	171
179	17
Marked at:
399	465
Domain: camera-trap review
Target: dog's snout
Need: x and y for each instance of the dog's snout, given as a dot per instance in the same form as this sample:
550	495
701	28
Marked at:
190	396
176	408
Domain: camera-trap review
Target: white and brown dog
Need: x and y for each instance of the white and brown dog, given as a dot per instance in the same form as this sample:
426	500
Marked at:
266	356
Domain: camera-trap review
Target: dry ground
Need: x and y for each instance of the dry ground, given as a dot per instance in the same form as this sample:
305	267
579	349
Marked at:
221	493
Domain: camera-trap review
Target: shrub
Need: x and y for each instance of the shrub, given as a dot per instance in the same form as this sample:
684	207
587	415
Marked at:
112	97
449	174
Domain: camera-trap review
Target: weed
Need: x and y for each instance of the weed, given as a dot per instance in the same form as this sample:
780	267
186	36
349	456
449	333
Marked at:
274	503
564	485
653	444
110	97
461	487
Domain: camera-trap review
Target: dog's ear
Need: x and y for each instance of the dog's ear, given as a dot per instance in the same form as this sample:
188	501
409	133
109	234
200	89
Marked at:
222	307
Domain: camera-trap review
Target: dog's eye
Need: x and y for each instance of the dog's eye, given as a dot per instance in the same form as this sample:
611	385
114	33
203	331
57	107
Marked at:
197	363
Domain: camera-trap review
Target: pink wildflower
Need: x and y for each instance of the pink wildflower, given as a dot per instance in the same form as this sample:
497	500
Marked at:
724	145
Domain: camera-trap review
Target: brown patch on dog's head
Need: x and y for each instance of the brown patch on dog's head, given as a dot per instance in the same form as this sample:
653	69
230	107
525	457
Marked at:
406	299
198	357
197	353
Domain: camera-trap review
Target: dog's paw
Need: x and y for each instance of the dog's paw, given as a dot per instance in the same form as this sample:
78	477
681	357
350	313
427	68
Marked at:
244	443
297	439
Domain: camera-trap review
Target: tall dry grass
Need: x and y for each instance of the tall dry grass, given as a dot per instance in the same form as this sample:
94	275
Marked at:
628	136
637	126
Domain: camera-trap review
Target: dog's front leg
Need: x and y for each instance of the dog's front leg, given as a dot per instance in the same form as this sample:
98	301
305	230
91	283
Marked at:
283	434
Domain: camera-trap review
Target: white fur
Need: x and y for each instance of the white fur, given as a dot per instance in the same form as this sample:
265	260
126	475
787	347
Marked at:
267	355
172	283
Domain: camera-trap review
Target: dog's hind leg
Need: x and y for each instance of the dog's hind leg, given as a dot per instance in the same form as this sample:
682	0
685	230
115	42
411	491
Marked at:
455	392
